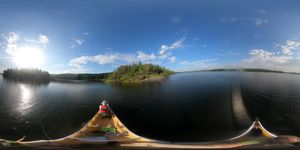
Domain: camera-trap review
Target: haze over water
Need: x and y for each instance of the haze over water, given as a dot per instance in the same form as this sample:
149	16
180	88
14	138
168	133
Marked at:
198	106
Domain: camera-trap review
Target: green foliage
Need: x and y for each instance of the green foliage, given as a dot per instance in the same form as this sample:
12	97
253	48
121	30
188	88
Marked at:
27	75
88	77
137	72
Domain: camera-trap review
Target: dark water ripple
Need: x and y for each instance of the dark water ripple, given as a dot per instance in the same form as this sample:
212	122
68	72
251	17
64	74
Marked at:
275	99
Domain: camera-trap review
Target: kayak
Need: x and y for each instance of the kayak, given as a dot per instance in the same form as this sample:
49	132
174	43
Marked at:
110	131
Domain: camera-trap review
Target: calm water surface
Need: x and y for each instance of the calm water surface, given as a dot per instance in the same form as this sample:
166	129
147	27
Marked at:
197	106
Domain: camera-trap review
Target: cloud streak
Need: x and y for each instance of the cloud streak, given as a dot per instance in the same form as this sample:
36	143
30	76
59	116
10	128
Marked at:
255	21
42	39
76	42
164	49
260	21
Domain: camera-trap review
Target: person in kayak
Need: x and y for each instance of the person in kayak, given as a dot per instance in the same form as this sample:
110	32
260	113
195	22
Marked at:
106	112
104	109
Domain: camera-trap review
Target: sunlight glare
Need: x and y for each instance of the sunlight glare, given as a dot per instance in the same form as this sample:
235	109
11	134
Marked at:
28	57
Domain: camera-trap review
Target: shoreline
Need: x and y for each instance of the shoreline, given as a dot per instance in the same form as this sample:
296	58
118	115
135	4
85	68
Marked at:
154	79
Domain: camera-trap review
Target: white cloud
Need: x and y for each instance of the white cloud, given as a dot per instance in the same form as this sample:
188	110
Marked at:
172	59
119	58
260	21
168	48
11	45
79	41
164	55
285	59
76	43
261	53
43	39
255	21
77	62
289	46
13	37
145	57
260	57
105	59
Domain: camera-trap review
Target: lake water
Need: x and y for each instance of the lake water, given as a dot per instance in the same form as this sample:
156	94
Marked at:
198	106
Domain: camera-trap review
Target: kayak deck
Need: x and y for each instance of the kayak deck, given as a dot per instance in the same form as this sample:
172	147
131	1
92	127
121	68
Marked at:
111	131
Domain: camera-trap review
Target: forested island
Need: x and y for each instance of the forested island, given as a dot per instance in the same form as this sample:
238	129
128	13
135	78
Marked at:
123	74
138	73
27	75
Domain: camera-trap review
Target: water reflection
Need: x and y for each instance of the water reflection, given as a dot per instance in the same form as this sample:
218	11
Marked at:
241	116
25	97
208	106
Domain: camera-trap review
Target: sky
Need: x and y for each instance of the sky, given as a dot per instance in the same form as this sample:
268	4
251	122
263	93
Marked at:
95	36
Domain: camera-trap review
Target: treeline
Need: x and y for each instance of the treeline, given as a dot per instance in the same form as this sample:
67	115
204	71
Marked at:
27	75
88	77
137	72
261	70
246	70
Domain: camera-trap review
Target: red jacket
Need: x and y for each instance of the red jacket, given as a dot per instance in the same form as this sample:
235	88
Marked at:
103	108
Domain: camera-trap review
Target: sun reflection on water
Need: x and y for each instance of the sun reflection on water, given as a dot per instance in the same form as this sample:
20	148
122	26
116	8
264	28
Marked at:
25	97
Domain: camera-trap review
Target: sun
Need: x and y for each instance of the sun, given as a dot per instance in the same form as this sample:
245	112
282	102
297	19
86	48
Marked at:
28	57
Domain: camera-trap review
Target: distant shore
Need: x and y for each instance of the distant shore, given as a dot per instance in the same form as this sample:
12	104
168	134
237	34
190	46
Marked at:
141	76
93	77
241	70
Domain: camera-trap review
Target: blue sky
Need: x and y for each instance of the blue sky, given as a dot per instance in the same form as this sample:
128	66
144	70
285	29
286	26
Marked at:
97	36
